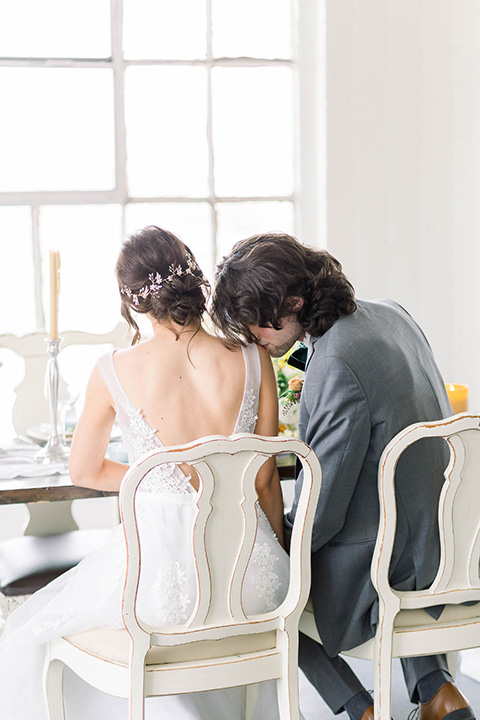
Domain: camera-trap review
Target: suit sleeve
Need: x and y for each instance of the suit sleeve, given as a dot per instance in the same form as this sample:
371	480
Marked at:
335	422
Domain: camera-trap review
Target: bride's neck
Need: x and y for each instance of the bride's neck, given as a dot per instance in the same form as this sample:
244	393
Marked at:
169	330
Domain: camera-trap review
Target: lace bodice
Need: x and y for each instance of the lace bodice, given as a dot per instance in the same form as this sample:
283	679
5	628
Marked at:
139	438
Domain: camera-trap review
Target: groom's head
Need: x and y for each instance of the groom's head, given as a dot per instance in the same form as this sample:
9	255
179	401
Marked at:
272	289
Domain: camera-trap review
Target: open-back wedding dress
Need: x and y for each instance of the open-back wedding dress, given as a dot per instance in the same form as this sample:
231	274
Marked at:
89	595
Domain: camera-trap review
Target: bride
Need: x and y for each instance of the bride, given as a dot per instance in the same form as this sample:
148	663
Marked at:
181	384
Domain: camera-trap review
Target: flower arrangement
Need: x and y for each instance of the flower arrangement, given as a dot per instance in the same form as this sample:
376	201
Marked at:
292	394
289	383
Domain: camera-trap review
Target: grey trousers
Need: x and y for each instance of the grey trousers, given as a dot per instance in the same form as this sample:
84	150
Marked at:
336	682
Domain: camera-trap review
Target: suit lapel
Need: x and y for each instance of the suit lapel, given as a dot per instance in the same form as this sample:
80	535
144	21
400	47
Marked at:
310	354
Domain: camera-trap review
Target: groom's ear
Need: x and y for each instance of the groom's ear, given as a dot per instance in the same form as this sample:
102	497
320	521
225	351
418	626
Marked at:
294	303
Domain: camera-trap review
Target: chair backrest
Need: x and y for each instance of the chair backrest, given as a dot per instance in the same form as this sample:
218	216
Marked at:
31	407
457	579
224	531
31	403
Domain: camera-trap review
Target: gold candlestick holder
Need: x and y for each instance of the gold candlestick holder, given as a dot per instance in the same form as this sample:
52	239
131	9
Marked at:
55	450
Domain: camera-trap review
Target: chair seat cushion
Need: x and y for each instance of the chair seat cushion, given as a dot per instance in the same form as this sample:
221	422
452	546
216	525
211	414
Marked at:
29	562
450	613
114	646
404	621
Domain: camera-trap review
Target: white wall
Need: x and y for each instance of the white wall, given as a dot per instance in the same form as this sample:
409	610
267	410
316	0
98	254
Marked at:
403	164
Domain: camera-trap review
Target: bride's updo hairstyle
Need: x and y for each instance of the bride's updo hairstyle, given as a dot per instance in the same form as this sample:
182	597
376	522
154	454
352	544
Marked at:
158	274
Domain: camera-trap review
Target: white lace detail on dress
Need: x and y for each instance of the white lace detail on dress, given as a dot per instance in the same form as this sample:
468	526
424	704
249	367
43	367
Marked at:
248	418
266	581
140	434
54	624
171	602
162	479
142	439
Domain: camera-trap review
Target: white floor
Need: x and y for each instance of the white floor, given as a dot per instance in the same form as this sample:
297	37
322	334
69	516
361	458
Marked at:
313	707
100	513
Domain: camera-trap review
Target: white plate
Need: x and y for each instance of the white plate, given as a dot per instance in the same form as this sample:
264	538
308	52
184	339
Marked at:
39	433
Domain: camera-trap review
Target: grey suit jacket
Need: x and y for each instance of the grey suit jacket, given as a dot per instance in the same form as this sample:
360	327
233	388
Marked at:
372	374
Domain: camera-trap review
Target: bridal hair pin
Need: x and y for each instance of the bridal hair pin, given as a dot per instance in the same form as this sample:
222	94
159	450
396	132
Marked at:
157	281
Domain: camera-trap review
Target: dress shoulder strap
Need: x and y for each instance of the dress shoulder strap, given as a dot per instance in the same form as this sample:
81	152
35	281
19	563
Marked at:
109	375
247	416
253	372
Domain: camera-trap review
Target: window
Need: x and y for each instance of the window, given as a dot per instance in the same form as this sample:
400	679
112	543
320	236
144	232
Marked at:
122	113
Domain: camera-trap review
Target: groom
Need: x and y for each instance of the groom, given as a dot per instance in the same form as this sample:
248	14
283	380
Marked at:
370	372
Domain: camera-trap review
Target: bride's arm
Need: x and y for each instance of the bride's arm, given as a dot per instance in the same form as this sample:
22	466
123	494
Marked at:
88	465
268	480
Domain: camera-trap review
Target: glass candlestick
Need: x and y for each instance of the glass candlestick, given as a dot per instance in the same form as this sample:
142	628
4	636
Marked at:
55	450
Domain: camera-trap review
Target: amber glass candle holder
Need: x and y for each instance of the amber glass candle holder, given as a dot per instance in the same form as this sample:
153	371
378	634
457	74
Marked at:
458	396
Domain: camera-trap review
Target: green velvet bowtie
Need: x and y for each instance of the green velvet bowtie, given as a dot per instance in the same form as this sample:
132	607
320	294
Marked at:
298	358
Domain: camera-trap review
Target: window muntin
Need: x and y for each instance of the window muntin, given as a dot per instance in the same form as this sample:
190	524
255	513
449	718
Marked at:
197	135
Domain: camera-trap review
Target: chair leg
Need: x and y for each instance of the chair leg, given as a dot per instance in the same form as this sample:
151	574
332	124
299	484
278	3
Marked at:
137	704
452	660
53	688
137	686
287	684
251	698
383	670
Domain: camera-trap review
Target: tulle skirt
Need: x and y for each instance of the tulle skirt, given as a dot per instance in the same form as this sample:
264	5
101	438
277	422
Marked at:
89	596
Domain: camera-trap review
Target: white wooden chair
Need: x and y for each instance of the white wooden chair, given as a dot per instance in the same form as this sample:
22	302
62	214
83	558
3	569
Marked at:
52	541
219	646
31	404
404	629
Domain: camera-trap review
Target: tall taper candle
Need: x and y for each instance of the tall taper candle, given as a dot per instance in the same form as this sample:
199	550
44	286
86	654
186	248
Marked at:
54	292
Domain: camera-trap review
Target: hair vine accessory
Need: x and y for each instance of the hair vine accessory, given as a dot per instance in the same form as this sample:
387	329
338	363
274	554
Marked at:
157	281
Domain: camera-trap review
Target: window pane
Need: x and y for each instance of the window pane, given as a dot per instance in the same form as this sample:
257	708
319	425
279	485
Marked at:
17	311
166	114
253	131
88	238
252	28
56	129
55	28
163	30
12	371
190	221
237	221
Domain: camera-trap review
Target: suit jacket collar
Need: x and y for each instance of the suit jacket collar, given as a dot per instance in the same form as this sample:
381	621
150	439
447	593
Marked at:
311	349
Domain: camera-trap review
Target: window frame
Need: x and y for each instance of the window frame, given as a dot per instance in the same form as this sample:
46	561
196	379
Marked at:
309	197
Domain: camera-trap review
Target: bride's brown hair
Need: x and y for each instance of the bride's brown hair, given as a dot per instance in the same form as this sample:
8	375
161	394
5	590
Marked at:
158	274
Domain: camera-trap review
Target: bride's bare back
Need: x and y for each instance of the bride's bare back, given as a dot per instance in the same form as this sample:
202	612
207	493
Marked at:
186	383
186	386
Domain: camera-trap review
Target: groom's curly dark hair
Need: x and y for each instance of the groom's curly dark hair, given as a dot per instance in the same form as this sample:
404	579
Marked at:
254	285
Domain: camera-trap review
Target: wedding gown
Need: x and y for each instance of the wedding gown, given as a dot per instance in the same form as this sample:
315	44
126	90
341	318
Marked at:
89	595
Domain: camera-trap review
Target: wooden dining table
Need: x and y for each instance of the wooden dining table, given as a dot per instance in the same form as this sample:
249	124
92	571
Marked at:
51	488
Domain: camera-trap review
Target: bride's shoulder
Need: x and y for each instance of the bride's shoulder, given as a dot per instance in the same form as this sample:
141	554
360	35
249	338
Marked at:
220	349
126	358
